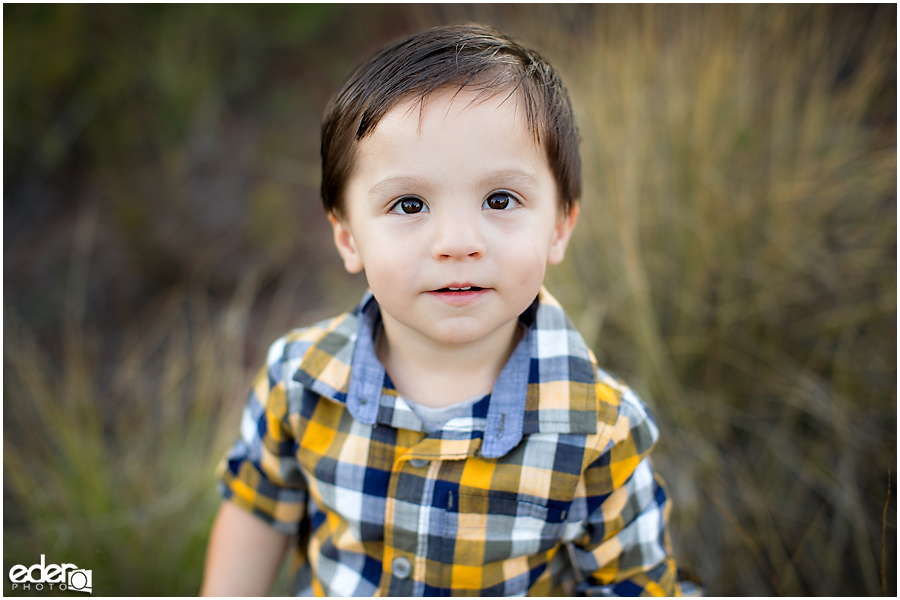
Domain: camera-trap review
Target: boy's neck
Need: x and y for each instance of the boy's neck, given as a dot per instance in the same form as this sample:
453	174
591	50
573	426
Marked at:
439	375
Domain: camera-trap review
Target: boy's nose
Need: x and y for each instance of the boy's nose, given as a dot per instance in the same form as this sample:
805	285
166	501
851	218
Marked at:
457	237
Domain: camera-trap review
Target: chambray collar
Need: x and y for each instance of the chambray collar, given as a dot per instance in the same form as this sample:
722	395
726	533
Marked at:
506	410
550	353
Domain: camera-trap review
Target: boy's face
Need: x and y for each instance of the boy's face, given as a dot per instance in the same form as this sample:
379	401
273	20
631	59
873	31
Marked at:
459	196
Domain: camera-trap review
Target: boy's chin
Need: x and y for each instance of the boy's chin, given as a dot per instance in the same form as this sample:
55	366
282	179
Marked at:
485	326
454	335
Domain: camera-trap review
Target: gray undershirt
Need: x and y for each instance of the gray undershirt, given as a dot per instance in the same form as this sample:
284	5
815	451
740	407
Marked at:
435	418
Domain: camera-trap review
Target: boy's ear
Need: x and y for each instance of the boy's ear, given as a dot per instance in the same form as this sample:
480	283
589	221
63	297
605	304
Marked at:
346	245
561	234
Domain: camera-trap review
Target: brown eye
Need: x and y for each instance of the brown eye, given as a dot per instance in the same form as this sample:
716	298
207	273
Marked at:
409	206
500	201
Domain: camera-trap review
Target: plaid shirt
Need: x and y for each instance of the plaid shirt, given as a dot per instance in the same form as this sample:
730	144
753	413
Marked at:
546	485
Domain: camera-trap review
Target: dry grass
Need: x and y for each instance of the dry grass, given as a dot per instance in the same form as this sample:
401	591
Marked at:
736	260
116	476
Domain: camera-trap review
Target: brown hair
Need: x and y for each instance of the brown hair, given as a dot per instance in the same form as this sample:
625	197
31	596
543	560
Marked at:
460	55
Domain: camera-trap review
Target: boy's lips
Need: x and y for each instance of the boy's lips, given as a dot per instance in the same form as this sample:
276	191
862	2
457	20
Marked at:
459	294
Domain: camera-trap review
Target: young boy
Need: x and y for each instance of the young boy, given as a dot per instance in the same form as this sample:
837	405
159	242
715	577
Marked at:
452	434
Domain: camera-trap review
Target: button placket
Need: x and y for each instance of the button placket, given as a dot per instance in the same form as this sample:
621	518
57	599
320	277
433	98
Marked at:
426	516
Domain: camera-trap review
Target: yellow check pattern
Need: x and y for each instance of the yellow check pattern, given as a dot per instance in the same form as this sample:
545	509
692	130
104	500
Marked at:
387	508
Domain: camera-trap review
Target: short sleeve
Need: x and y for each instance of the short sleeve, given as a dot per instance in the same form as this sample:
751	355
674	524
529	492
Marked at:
625	550
261	473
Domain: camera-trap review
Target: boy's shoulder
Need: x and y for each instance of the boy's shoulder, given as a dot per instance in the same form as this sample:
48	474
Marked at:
323	352
331	336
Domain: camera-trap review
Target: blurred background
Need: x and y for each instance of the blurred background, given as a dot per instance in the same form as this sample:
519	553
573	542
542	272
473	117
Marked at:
736	263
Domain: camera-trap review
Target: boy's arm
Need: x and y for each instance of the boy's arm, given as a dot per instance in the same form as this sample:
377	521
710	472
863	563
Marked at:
244	555
625	550
265	490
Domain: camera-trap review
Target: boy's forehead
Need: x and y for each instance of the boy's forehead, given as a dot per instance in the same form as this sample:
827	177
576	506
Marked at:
445	103
470	121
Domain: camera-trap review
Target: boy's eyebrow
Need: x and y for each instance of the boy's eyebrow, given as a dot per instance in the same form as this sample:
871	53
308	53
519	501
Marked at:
509	177
403	183
394	185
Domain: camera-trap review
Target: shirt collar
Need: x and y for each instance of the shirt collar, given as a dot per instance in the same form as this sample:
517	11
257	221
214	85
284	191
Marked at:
546	385
367	375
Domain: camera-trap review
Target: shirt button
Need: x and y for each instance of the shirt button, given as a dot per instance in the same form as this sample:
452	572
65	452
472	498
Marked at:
418	462
400	567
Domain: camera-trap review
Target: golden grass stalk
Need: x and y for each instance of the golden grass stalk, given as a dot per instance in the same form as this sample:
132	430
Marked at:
736	262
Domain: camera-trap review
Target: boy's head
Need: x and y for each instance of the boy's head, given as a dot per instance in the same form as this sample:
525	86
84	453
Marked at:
451	177
460	56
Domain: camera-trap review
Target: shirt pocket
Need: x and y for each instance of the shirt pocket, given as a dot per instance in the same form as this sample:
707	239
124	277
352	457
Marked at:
494	527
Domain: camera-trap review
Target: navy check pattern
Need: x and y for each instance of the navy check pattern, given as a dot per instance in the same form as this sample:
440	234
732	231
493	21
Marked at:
544	488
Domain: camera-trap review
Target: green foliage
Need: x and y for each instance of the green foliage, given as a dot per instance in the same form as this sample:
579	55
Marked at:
735	261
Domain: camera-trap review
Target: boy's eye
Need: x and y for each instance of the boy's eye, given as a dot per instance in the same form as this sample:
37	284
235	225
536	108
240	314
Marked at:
500	201
409	205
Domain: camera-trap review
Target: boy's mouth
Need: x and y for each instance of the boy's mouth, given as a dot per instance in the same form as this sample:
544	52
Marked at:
459	295
470	288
